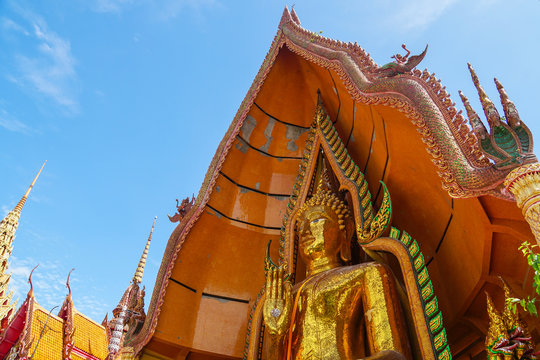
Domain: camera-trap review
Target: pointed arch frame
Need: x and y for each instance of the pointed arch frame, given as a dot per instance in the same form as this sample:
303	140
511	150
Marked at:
370	227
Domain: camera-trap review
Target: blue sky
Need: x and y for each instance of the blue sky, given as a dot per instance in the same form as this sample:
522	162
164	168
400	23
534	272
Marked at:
128	100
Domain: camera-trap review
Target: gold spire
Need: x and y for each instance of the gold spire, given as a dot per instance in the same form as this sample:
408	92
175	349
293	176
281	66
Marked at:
8	226
510	111
25	196
137	278
496	325
489	108
511	319
477	125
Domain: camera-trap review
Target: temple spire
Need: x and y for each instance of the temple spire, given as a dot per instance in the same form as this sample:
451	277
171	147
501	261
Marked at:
129	313
21	203
137	278
8	226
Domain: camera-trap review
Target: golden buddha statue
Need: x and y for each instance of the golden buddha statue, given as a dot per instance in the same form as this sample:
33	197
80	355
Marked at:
338	311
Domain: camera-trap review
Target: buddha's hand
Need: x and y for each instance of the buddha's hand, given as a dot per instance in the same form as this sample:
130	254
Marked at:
277	303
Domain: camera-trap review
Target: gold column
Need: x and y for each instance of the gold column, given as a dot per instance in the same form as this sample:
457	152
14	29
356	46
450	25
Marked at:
524	183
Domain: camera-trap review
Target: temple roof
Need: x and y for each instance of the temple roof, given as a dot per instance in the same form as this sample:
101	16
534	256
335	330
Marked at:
37	333
403	130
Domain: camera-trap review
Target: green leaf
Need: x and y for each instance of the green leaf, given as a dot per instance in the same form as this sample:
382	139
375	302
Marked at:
531	308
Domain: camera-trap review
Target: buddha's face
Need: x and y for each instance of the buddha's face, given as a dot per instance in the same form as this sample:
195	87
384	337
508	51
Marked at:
319	234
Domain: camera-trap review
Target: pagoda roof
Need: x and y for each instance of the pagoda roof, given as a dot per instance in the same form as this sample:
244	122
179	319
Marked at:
27	330
403	130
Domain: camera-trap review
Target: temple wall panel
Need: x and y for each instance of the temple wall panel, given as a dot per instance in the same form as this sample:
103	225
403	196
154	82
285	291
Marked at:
462	248
247	205
289	93
273	136
420	206
218	275
256	171
506	260
362	135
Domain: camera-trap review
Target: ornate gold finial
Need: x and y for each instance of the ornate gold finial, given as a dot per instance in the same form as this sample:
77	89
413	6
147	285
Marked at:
490	110
320	113
477	125
510	110
516	328
20	205
512	320
496	329
137	278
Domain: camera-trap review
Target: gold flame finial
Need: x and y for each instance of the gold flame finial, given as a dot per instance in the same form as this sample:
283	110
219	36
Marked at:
510	110
496	325
20	205
511	319
490	110
137	278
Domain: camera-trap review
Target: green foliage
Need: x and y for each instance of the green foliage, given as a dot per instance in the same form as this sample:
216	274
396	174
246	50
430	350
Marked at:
529	304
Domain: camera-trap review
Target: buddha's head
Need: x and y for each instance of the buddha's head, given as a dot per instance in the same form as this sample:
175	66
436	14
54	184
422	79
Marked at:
324	229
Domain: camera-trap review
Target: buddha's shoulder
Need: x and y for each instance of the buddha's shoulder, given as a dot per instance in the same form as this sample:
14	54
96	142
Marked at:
347	275
357	272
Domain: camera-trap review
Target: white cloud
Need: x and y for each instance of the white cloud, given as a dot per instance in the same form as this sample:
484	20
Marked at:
5	210
8	122
50	69
49	281
9	24
169	9
111	6
51	72
418	14
163	10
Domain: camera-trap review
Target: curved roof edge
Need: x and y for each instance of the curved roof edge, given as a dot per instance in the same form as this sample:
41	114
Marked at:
463	169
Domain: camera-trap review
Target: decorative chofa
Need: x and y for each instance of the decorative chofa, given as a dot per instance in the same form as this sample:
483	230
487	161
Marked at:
524	183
